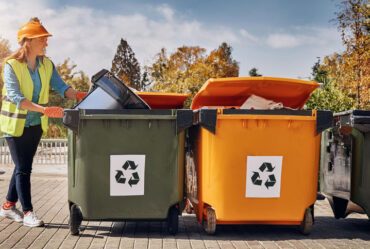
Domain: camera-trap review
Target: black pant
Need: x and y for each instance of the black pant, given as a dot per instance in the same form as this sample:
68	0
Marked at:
22	150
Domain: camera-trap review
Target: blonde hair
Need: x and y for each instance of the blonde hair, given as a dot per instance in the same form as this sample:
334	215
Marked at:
21	53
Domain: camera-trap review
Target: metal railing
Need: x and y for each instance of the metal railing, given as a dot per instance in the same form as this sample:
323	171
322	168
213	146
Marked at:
49	151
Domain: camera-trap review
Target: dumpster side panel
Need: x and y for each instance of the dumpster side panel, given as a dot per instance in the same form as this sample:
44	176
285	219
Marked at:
337	164
99	139
344	171
224	168
366	165
361	170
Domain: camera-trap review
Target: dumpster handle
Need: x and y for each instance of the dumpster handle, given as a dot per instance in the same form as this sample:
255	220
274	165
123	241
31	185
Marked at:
184	119
207	119
324	120
71	119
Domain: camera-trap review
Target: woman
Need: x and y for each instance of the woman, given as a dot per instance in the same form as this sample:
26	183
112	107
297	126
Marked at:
28	75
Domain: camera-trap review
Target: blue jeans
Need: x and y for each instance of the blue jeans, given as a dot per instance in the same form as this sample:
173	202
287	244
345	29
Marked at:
22	150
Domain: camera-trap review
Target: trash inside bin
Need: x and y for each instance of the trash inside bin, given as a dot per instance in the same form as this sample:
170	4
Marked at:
345	163
254	166
116	166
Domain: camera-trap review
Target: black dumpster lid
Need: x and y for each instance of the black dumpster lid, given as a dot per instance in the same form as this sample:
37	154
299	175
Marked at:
354	117
118	90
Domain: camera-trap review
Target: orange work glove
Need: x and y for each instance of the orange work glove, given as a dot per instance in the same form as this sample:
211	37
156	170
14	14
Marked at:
80	95
54	112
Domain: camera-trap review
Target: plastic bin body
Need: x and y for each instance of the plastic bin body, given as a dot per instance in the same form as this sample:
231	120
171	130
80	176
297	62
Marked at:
221	161
125	160
104	133
345	163
226	141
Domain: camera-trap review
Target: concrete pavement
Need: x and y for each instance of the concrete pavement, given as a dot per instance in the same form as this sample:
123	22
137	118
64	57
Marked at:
49	189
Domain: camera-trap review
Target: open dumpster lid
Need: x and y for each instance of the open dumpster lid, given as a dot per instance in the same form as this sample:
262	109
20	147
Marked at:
109	93
159	100
234	91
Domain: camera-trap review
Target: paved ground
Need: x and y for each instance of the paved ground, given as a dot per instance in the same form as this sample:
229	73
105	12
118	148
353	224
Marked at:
50	202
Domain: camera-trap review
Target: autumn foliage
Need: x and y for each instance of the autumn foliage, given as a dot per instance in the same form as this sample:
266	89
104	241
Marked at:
349	71
188	68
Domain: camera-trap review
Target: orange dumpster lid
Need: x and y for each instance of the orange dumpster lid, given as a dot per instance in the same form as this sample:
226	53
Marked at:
160	100
234	91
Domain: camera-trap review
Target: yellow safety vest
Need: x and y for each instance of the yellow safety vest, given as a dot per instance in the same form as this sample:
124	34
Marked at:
13	119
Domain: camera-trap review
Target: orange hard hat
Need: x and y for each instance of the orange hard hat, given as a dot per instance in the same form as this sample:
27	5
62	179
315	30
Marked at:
32	29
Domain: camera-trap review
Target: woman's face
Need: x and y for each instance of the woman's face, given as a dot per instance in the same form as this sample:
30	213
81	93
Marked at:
38	45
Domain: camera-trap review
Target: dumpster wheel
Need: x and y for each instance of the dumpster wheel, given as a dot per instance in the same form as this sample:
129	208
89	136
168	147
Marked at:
209	224
75	219
339	206
306	224
173	220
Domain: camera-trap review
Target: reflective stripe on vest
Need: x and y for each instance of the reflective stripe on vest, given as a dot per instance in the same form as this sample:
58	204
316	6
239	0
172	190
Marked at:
13	119
13	115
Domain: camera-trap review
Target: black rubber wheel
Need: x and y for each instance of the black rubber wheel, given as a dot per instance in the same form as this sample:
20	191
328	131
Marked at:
209	224
75	219
173	220
306	224
339	207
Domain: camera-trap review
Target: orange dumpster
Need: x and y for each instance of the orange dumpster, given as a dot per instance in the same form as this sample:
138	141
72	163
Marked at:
254	166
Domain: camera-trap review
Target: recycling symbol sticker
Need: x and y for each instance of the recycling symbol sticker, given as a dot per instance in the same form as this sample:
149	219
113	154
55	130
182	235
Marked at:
130	167
265	167
127	175
263	176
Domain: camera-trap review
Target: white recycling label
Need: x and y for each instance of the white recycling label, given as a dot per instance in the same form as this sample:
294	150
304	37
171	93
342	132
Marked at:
127	175
263	176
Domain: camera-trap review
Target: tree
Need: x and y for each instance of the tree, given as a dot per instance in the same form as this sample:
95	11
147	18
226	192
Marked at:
79	81
176	73
254	72
367	14
126	67
320	74
188	68
222	63
353	65
4	49
329	96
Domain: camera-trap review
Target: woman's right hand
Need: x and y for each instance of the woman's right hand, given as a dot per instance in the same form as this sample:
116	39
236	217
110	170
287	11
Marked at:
54	112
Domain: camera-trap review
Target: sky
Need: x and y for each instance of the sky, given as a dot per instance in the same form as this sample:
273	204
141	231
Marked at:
281	38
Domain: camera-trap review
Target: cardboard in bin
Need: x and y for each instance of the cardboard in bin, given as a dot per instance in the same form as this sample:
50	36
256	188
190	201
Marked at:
234	91
109	93
159	100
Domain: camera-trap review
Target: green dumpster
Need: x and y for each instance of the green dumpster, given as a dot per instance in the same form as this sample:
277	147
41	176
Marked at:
345	163
124	164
